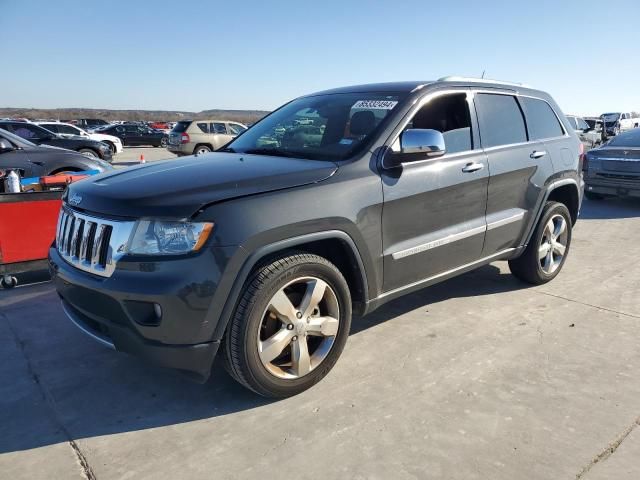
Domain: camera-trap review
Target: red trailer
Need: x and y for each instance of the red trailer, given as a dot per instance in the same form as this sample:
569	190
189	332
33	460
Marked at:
27	230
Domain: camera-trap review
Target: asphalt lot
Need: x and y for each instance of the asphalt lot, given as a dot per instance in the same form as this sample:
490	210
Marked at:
481	377
131	155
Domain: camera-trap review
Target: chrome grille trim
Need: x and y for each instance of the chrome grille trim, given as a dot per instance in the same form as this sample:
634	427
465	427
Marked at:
90	243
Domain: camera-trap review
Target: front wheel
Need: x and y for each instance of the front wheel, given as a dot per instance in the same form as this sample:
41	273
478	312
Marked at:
290	325
7	282
547	251
163	143
87	152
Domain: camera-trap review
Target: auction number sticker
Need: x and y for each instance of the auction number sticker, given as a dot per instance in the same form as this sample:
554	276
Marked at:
375	104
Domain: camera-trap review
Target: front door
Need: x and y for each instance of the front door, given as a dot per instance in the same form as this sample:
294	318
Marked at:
433	216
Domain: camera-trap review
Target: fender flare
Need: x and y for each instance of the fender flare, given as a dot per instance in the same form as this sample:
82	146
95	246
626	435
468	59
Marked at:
550	188
265	250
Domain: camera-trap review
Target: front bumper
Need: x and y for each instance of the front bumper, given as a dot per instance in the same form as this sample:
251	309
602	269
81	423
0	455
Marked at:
118	311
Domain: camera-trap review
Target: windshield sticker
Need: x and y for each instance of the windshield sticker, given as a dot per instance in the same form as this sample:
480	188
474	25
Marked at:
375	104
346	141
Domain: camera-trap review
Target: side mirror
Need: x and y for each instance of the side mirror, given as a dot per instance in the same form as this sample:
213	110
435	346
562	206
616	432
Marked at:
427	143
6	146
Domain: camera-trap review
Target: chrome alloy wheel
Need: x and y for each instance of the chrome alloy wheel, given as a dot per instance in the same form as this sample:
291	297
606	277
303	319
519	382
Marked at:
553	244
298	328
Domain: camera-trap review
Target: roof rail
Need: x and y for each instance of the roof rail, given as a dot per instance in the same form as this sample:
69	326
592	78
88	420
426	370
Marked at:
454	78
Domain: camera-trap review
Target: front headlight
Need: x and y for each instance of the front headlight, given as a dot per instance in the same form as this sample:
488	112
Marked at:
153	237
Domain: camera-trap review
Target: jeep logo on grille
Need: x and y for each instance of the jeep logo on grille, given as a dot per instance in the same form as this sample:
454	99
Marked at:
75	199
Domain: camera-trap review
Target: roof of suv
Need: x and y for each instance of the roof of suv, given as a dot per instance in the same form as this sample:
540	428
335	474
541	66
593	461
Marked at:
417	85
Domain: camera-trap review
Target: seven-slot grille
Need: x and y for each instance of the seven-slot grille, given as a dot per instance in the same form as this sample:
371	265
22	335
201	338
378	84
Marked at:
89	243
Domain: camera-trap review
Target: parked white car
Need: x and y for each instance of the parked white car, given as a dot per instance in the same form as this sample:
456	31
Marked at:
68	130
620	122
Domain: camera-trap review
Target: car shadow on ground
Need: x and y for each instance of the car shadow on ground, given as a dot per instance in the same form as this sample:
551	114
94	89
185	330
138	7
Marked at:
617	207
91	391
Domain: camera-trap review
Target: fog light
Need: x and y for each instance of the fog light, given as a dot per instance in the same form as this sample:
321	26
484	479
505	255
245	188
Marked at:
157	309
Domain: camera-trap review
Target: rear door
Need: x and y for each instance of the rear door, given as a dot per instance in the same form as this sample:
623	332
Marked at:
519	167
434	209
222	136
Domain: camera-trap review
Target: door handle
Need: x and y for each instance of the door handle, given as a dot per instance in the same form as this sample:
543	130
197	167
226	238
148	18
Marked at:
538	154
472	167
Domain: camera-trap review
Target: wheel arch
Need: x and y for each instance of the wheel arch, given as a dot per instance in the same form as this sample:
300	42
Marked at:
562	190
334	245
569	196
203	144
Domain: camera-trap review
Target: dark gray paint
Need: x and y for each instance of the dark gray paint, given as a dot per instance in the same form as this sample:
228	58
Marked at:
262	205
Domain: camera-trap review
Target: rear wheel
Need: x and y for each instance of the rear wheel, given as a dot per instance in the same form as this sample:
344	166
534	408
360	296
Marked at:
290	326
201	149
547	251
163	142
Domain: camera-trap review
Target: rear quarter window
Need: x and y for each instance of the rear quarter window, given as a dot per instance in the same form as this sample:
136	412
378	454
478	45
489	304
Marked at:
501	120
542	122
204	128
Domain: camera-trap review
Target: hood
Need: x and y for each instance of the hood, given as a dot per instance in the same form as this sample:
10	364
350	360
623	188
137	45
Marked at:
178	188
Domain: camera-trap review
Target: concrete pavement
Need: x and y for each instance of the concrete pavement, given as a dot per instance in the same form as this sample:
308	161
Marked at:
481	377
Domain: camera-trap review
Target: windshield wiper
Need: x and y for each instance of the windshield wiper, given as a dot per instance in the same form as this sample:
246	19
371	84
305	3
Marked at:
275	152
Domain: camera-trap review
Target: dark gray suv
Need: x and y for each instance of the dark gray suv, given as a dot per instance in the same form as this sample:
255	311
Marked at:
330	206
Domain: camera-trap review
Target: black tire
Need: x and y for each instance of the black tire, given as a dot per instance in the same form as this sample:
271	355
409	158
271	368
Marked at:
163	142
593	196
89	153
8	282
241	339
201	149
112	147
527	267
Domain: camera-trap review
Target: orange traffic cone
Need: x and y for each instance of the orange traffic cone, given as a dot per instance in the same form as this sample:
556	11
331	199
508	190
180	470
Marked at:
142	160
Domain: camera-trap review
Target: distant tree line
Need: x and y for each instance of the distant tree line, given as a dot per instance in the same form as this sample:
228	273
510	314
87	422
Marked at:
242	116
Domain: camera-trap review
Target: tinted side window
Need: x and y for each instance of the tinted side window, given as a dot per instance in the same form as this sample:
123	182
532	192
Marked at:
218	128
204	128
448	114
501	120
541	120
52	127
236	129
572	122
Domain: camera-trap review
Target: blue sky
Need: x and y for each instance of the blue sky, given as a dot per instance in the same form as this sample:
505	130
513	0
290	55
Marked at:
196	55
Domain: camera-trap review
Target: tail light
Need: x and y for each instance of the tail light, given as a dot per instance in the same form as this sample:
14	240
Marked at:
184	138
583	159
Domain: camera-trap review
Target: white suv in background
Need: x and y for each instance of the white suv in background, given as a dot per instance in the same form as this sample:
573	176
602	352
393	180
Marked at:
68	130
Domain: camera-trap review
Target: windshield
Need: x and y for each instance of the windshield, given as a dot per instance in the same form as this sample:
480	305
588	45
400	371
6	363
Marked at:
628	139
323	127
611	117
181	127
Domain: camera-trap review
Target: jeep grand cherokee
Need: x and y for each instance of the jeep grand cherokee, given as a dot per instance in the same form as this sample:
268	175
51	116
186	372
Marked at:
333	204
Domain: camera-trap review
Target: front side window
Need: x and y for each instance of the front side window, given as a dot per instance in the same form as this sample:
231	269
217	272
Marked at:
541	120
501	120
449	114
321	127
236	129
68	129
